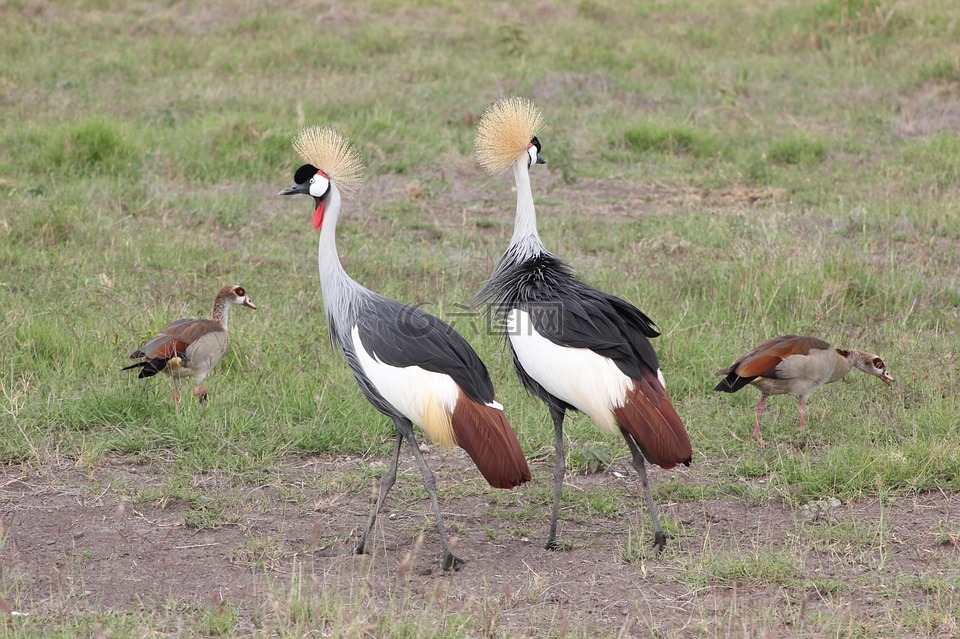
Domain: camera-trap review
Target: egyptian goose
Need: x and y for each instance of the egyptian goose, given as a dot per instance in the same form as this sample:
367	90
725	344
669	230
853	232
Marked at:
798	366
191	347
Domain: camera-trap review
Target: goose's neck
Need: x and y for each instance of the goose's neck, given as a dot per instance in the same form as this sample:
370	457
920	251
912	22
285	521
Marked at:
845	364
221	311
526	240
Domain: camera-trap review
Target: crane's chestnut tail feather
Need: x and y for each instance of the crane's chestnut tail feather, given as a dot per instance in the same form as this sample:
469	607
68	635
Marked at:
649	418
483	431
150	367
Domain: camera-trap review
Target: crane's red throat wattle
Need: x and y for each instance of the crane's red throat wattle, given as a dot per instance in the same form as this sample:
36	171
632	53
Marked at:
318	216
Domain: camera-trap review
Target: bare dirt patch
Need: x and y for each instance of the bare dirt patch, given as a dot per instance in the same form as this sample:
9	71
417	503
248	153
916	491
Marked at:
73	541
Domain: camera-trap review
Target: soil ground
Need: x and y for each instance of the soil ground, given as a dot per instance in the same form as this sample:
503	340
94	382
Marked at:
74	542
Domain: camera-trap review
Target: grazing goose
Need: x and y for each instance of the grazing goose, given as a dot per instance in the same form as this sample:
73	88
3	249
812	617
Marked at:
410	365
798	366
191	347
573	346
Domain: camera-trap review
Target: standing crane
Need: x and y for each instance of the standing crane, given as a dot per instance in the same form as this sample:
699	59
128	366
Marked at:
410	365
573	346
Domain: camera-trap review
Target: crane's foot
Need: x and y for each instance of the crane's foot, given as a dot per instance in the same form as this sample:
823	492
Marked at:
359	549
553	544
659	541
451	562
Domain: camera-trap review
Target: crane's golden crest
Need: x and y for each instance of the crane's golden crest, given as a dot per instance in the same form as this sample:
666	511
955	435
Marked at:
505	131
329	151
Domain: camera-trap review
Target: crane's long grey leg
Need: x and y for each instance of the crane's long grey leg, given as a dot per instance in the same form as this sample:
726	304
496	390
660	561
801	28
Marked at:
450	561
659	539
386	483
559	470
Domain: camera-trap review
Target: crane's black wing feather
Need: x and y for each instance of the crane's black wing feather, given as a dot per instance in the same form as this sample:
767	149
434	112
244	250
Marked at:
570	313
404	336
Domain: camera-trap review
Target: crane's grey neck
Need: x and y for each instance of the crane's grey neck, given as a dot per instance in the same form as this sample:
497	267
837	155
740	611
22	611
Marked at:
525	242
341	294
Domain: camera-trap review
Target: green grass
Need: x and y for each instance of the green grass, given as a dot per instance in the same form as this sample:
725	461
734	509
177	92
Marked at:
785	169
762	568
669	139
797	149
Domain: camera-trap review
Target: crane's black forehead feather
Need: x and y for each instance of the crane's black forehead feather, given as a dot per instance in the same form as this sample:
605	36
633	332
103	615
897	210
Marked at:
304	173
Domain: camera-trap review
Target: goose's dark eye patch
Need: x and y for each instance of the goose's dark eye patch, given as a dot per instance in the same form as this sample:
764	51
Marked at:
240	292
878	363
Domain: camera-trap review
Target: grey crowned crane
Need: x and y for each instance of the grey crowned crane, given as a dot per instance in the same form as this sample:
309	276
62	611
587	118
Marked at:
191	347
573	346
798	366
411	366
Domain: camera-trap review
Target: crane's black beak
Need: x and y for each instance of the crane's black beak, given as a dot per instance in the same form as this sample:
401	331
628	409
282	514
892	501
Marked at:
540	159
298	189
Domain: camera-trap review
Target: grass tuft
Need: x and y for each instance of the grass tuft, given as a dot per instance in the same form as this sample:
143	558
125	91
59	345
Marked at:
760	569
797	149
92	147
670	139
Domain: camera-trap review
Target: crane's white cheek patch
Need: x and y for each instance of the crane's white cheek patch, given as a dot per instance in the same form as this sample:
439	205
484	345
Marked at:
589	382
319	186
426	398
